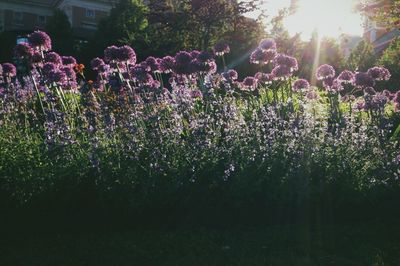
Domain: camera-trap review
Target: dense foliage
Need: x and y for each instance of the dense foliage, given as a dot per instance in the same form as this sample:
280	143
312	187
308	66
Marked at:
174	130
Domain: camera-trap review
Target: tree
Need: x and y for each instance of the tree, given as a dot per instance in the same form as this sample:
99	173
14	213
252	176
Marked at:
387	12
362	57
317	52
126	24
59	28
391	60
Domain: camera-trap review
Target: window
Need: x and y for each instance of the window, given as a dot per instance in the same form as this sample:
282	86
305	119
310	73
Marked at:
17	16
90	13
41	19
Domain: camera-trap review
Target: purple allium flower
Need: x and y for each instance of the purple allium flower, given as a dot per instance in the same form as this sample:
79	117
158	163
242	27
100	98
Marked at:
58	77
205	57
379	101
333	85
281	72
267	44
9	70
195	66
37	58
379	73
140	75
153	63
300	84
264	78
286	61
49	67
167	64
346	77
68	61
230	75
325	72
363	80
221	48
96	63
111	53
23	50
312	95
182	63
211	67
194	54
69	72
262	57
40	40
183	58
103	69
126	54
53	57
250	83
196	94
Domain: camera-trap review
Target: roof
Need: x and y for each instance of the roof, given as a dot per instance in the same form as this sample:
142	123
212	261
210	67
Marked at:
39	3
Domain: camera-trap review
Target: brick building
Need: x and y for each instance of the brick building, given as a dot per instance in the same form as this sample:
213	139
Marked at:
28	15
378	35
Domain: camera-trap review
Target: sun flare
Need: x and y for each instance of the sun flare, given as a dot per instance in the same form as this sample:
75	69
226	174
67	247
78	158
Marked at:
329	18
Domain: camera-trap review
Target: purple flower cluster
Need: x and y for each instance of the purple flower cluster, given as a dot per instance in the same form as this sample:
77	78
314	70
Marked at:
9	70
68	61
346	77
250	83
379	73
221	48
300	84
120	54
284	66
262	57
265	52
325	72
23	50
40	41
230	75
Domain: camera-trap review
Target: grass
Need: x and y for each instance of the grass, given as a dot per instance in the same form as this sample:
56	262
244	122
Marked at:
364	244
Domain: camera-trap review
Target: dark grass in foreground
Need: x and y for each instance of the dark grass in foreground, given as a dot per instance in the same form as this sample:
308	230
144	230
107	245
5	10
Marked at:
353	244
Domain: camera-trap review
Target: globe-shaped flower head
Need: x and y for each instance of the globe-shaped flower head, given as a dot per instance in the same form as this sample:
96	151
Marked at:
260	56
23	50
346	77
40	41
221	48
325	72
9	70
300	84
250	83
167	64
68	61
96	63
379	73
267	44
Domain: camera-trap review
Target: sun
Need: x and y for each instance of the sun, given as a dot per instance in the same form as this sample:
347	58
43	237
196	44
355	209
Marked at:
330	18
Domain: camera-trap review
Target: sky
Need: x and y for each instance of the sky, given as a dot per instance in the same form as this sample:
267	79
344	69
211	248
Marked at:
330	17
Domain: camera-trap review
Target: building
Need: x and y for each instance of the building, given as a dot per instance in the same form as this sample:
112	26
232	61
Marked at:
28	15
375	33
